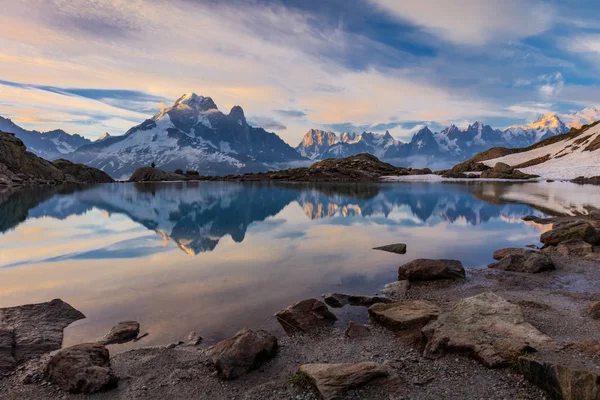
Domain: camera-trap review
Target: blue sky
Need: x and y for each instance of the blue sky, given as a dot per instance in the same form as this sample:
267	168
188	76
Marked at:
353	65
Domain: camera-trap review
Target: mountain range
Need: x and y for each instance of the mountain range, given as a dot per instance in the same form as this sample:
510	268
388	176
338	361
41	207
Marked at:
193	134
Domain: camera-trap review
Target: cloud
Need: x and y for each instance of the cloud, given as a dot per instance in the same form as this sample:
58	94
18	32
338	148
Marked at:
267	123
474	22
583	44
291	113
553	84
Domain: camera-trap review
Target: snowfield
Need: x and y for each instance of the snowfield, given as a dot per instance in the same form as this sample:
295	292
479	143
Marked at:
569	159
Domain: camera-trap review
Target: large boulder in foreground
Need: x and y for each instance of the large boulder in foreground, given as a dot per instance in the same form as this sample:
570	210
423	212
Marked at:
571	231
532	263
560	380
243	352
428	270
149	174
37	328
83	368
305	316
486	327
404	315
332	380
123	332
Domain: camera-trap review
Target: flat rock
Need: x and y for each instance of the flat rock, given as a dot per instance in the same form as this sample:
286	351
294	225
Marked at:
571	231
532	263
357	331
575	248
83	368
337	300
396	290
305	316
243	352
593	309
398	248
333	380
38	328
123	332
561	381
403	315
486	327
427	270
500	254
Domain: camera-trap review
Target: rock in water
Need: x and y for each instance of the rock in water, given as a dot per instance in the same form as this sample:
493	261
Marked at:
398	248
531	263
427	270
396	290
356	330
500	254
123	332
149	174
403	315
38	328
83	368
487	327
305	316
571	231
332	380
243	352
337	300
561	381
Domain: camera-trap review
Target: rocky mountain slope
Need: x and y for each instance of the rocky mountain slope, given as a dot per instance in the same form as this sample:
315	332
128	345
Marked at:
191	135
20	167
48	145
567	156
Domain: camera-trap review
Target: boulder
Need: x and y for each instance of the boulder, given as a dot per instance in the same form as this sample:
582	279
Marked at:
532	263
500	254
83	368
194	339
427	270
398	248
38	328
333	380
7	343
305	316
357	331
123	332
396	290
337	300
571	231
243	352
403	315
575	248
505	171
486	327
149	174
561	381
593	309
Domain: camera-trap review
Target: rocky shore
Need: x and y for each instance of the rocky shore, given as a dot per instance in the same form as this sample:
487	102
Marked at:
526	327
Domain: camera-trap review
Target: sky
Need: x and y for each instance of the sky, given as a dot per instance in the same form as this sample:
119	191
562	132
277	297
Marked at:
90	66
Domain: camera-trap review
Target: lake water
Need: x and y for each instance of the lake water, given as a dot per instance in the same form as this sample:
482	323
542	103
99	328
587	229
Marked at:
215	257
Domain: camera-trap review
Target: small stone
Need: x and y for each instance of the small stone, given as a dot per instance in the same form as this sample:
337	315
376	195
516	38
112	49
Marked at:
123	332
356	330
194	339
305	316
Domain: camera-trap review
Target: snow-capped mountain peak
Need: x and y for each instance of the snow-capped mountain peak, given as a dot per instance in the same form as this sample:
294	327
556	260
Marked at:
194	101
543	127
104	136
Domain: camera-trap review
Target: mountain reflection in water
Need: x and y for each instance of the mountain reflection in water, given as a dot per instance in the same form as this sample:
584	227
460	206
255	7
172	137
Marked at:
115	251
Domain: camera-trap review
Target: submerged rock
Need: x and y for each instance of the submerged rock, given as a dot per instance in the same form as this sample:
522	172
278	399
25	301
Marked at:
337	300
500	254
332	380
305	316
560	380
571	231
396	290
243	352
532	263
37	328
403	315
83	368
486	327
398	248
427	270
123	332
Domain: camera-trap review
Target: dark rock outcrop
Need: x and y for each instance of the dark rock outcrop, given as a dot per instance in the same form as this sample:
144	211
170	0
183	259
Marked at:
149	174
428	270
305	316
332	380
37	328
575	248
571	231
243	352
83	368
123	332
81	172
505	171
337	300
532	263
594	180
398	248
